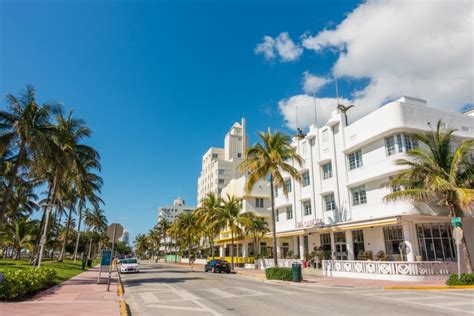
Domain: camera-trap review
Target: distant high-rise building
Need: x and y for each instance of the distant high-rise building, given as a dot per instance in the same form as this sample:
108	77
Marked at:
220	165
125	237
171	212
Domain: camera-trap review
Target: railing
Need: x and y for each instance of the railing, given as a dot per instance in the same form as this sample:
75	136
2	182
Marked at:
400	268
262	264
238	260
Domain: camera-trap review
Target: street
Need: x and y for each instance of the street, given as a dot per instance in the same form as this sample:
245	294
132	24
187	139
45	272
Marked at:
161	289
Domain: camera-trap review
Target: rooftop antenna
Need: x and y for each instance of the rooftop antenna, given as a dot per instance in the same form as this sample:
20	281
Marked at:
337	91
315	110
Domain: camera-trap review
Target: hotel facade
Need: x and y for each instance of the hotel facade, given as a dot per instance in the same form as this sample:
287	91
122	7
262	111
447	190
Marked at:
339	206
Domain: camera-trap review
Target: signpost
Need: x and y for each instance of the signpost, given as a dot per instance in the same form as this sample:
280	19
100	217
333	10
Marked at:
114	232
458	235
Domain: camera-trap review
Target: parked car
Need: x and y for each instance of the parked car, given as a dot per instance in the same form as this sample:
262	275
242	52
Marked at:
129	265
217	265
119	258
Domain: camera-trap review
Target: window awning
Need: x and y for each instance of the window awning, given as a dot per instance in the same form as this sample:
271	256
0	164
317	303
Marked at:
361	224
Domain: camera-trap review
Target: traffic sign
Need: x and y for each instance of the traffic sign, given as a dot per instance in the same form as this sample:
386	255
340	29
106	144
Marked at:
118	231
457	235
456	222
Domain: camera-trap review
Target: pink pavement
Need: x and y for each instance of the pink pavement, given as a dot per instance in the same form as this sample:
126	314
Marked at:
80	295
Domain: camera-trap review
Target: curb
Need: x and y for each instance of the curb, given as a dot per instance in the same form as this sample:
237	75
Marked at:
427	288
124	310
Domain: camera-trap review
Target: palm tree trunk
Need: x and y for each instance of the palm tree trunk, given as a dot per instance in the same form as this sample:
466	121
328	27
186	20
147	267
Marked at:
81	205
11	182
58	227
90	249
232	249
38	233
45	231
63	249
275	259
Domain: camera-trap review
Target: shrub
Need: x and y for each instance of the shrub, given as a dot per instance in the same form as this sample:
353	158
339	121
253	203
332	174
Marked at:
464	279
21	282
283	274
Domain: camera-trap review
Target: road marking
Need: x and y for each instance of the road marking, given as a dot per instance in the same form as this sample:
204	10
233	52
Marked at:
188	296
250	292
180	307
220	293
148	298
280	290
185	295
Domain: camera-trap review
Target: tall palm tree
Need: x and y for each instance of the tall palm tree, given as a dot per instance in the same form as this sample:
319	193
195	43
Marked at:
163	227
257	229
141	244
187	224
26	126
20	232
97	221
71	205
438	172
230	217
344	109
267	160
207	217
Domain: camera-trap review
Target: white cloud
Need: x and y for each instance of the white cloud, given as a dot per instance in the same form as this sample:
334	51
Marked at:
417	48
282	45
304	105
312	83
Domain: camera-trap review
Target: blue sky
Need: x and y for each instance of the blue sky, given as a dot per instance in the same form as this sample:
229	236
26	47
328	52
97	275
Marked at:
161	81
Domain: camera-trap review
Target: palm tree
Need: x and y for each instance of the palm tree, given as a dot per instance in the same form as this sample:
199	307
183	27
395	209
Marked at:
20	232
26	127
71	205
207	218
141	244
257	229
229	216
343	109
267	160
97	221
187	224
438	172
163	226
154	236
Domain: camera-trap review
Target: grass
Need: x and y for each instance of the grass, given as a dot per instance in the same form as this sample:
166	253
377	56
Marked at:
65	270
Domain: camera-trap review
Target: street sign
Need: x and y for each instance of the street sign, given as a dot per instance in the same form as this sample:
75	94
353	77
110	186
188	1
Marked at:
457	235
456	222
118	231
106	258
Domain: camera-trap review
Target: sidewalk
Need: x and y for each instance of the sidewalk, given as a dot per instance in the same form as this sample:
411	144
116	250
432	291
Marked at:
80	295
323	281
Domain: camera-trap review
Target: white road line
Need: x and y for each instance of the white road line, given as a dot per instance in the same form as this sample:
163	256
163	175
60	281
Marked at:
250	292
185	295
188	296
280	290
179	307
220	293
454	303
148	298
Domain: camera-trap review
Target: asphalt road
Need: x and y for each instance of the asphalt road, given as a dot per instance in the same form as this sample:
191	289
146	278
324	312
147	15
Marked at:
167	290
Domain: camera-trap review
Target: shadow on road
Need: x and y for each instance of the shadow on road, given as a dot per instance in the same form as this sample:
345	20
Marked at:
138	282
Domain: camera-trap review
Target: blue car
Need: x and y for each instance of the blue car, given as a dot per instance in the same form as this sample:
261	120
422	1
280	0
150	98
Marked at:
217	265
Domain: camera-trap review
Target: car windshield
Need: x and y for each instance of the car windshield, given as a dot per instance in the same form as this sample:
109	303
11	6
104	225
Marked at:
129	261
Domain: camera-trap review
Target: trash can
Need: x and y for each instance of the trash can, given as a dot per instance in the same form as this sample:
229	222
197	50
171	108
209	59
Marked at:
89	263
83	263
296	275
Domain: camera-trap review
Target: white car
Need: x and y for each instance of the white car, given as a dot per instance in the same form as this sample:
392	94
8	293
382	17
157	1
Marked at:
129	265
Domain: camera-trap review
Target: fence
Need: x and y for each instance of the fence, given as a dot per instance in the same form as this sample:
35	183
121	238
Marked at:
389	270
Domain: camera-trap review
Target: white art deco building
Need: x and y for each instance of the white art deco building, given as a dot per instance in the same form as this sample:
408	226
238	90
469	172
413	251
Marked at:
339	204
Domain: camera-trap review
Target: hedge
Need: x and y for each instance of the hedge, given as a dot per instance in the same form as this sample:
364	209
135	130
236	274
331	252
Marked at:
18	283
283	274
465	279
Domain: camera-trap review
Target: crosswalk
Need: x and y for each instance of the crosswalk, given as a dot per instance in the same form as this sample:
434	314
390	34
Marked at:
168	297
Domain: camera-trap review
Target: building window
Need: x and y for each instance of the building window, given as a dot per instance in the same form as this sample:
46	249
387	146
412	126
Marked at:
250	249
358	242
306	181
239	155
435	242
327	170
277	215
399	143
289	212
215	155
359	195
263	248
285	247
326	241
259	202
307	208
276	191
325	135
329	202
288	185
355	159
221	172
221	181
393	236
